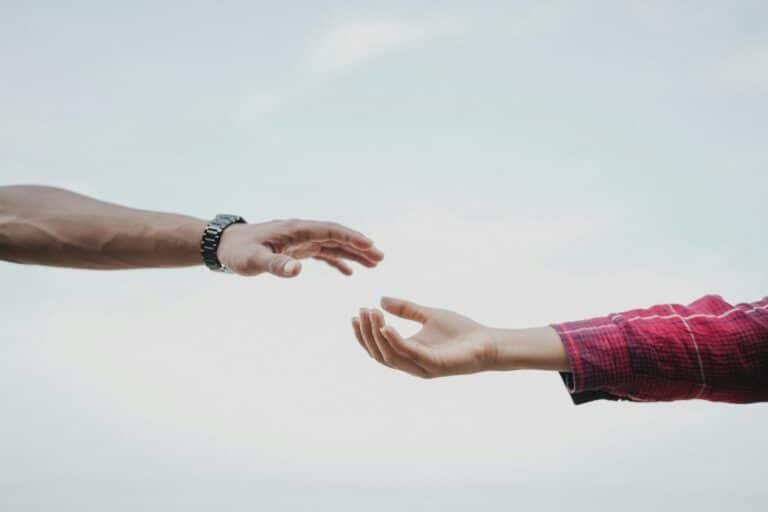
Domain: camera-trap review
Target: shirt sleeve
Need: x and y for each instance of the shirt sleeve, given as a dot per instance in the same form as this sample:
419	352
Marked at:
710	350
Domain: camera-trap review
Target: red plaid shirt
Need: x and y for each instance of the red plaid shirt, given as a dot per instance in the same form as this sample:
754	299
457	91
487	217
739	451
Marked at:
710	350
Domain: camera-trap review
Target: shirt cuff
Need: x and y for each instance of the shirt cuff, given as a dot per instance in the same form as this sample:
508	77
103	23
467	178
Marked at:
598	358
582	397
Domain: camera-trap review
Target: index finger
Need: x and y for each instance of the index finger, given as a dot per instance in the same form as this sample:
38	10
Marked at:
332	231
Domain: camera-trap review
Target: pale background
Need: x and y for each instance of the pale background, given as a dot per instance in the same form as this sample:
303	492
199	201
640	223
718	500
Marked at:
521	162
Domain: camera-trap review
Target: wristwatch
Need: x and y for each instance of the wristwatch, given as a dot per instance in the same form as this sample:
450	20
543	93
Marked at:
209	244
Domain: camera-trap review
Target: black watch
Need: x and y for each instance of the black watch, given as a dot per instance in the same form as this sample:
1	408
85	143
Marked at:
209	245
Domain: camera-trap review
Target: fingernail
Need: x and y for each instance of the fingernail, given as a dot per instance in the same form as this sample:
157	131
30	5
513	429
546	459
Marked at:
290	267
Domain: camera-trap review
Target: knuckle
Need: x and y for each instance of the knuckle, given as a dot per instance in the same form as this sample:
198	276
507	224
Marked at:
292	224
275	264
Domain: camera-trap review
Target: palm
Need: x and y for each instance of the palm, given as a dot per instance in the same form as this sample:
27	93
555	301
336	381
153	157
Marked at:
457	343
444	329
447	344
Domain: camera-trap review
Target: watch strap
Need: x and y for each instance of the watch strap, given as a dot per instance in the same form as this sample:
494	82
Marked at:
209	243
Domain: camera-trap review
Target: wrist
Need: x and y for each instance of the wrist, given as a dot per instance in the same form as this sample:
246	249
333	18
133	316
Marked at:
213	238
179	239
506	347
536	348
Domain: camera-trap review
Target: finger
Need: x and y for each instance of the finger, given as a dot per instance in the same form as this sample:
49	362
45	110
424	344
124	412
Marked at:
283	266
359	334
377	322
314	230
264	260
336	263
405	309
337	252
367	333
391	358
374	253
410	349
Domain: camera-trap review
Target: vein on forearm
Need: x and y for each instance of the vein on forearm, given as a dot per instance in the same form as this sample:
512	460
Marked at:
42	225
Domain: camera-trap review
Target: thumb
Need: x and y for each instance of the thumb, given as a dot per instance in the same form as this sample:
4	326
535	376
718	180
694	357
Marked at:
283	266
405	309
277	264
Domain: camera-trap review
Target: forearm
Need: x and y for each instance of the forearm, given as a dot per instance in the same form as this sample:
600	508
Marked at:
538	348
49	226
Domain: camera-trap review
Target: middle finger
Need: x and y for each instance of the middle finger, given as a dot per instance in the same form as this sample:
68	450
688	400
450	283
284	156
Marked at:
366	331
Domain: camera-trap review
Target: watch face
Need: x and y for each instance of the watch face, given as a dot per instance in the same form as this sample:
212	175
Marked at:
225	219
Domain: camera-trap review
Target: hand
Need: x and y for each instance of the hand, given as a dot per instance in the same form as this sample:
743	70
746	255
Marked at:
447	344
277	246
451	344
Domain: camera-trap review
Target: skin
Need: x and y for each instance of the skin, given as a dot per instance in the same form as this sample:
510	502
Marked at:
452	344
51	226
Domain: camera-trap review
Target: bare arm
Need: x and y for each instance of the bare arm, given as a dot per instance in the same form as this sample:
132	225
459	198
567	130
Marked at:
452	344
50	226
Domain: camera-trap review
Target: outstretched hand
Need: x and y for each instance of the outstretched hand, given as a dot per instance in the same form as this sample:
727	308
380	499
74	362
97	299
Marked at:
277	246
447	344
452	344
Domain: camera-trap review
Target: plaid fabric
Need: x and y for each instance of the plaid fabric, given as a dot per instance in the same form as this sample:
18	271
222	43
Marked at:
709	349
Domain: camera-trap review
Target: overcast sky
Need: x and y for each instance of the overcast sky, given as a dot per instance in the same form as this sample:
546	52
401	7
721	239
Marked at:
519	162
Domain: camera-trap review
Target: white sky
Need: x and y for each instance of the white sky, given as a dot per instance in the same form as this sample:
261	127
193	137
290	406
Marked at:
520	162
